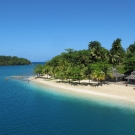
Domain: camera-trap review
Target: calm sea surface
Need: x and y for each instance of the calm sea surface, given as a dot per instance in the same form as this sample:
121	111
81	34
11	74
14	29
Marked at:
28	109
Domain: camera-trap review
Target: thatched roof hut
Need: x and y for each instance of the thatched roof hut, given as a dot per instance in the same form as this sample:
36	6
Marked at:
132	76
116	74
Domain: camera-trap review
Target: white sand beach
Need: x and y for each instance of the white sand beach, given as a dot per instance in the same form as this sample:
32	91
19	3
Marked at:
118	93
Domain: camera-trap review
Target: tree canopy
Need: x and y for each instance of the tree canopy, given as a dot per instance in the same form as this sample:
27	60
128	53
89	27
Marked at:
92	63
8	60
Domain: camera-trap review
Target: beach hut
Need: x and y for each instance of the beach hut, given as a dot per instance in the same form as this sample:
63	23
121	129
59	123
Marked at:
131	77
116	74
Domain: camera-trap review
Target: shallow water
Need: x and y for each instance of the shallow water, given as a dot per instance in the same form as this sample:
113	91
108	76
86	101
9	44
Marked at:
29	109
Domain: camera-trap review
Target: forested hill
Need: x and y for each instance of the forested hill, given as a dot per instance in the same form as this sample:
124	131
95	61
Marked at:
8	60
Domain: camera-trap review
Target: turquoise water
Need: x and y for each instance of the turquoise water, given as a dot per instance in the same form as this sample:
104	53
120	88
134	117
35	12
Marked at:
27	109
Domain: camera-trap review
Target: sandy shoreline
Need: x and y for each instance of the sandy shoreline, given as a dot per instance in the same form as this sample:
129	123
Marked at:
118	93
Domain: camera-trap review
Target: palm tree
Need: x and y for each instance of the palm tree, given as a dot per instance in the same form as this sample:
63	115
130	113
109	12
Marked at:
61	70
101	76
130	51
96	55
95	50
88	72
117	53
77	72
105	69
131	48
98	52
114	59
94	45
46	69
38	70
68	72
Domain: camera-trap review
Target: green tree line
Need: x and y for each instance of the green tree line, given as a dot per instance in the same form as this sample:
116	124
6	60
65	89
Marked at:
8	60
92	63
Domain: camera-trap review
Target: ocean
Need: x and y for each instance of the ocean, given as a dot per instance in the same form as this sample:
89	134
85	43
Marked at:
32	109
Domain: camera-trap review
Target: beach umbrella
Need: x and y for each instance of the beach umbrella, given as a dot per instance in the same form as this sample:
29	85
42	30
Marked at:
132	76
116	74
133	73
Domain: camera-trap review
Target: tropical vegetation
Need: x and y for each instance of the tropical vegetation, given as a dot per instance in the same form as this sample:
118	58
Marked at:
92	63
8	60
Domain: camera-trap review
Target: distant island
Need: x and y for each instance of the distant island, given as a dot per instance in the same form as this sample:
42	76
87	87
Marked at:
9	60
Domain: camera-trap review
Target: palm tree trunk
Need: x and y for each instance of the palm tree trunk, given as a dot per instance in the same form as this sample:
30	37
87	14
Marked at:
89	79
116	79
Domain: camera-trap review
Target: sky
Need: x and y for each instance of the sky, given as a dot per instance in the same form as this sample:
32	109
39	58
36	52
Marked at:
41	29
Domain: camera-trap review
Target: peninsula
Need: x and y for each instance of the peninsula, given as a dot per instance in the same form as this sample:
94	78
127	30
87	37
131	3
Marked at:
96	72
